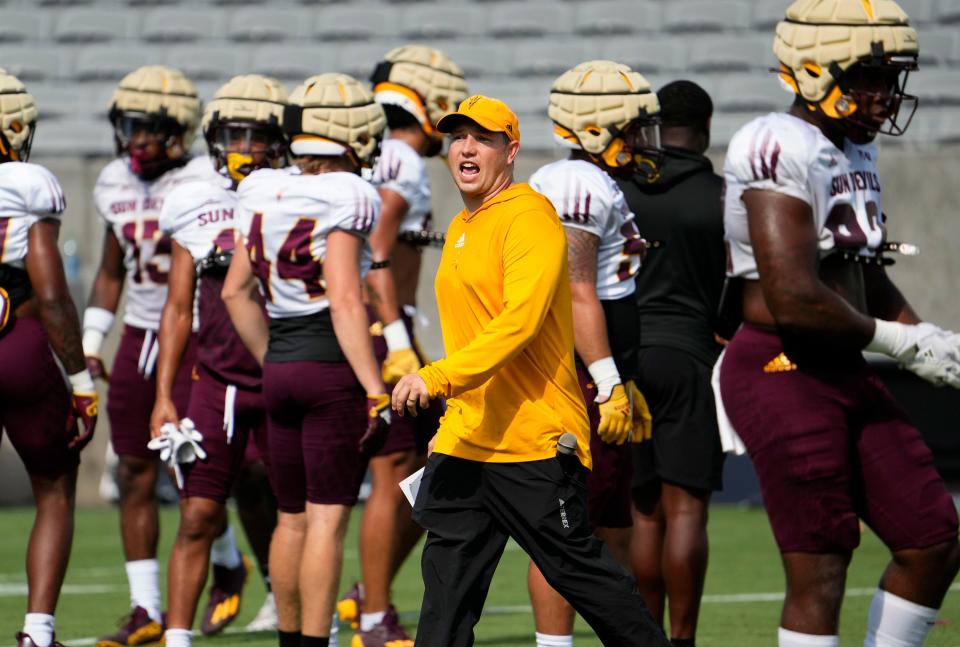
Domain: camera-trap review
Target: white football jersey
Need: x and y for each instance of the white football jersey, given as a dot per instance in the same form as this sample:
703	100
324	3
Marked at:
401	169
587	198
202	216
286	218
28	193
781	153
131	208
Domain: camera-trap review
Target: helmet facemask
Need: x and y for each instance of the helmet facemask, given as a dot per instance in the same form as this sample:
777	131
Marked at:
152	141
642	140
877	88
241	147
21	153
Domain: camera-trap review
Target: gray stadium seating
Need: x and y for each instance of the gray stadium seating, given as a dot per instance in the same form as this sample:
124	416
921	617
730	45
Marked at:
936	87
477	59
523	19
351	23
705	15
73	137
657	54
939	47
730	53
437	20
358	59
93	25
749	93
616	17
29	64
111	62
263	24
176	25
537	57
19	26
209	63
292	64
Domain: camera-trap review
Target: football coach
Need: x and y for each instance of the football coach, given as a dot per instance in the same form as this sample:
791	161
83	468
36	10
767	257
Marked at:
511	388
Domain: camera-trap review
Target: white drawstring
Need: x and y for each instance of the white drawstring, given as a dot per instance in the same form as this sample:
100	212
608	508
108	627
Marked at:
229	417
148	354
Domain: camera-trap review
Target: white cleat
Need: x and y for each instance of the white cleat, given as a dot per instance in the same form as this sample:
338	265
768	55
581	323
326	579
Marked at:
266	618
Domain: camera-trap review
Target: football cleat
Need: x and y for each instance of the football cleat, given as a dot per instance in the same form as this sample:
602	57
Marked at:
350	605
137	628
610	112
18	119
334	114
224	604
24	640
388	633
266	618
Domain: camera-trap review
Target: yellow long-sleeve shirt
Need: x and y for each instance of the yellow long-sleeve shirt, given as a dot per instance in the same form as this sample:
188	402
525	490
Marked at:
506	314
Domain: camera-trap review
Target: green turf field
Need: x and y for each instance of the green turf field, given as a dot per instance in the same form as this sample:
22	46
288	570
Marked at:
741	606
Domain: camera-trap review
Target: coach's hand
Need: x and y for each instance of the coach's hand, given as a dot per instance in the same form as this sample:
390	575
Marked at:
399	363
642	420
378	424
615	417
410	393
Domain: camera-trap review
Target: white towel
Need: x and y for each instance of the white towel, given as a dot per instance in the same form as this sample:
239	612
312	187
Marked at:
729	439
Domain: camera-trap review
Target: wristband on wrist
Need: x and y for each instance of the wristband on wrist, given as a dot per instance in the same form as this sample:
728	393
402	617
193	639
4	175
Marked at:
97	322
81	382
395	334
887	338
605	375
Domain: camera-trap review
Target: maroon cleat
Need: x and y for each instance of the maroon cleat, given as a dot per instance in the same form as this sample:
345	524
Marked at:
389	633
224	604
24	640
350	605
138	628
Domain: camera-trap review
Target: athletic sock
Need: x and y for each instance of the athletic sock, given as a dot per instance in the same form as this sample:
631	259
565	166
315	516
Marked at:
548	640
370	620
683	642
787	638
289	638
39	626
224	551
144	578
896	622
315	641
334	630
177	638
265	574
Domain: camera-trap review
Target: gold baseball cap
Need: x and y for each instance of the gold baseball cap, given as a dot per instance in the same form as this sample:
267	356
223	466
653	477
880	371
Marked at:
488	113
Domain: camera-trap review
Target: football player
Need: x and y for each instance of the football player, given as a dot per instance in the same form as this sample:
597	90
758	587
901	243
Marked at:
806	228
40	415
328	411
607	137
243	130
154	112
416	85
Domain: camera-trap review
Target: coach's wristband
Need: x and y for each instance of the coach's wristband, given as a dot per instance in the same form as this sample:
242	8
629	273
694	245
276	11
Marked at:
605	375
82	382
395	334
97	322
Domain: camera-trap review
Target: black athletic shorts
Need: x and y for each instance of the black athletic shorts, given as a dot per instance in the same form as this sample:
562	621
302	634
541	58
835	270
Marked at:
685	448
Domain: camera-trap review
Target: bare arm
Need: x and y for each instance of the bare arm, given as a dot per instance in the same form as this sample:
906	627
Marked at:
108	284
342	272
381	284
884	299
785	244
242	299
176	323
58	313
589	323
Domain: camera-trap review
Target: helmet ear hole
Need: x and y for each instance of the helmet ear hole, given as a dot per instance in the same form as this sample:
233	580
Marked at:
812	69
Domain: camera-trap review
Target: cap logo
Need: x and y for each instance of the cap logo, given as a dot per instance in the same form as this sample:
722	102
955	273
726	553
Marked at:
473	101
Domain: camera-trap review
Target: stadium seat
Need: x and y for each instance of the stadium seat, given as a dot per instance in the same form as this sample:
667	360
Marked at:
18	26
477	59
749	92
352	23
766	15
705	15
269	25
63	3
646	55
93	25
936	87
521	19
616	17
358	59
292	63
948	11
537	57
436	20
84	137
731	53
724	125
175	25
30	65
536	134
152	3
939	47
209	62
111	63
920	11
525	97
60	101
